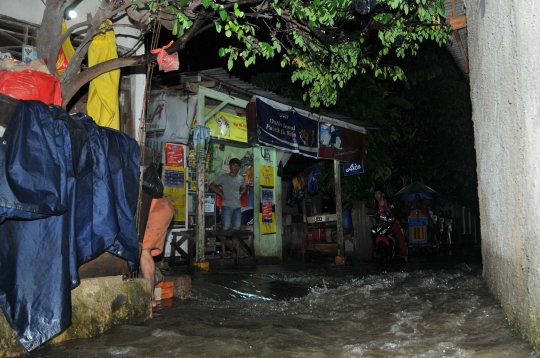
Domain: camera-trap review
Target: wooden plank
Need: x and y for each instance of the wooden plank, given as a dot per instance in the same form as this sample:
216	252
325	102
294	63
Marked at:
453	2
458	23
339	209
322	218
462	50
187	78
194	87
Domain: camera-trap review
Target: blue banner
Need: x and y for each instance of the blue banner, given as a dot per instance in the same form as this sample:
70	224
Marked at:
290	131
353	168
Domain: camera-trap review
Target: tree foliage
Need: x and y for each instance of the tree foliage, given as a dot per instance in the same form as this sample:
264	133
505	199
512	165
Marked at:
325	42
425	130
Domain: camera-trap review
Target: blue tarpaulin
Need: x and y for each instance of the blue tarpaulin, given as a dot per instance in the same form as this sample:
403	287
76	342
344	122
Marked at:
76	185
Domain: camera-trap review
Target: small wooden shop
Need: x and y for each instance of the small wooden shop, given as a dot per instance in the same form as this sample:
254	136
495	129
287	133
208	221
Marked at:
211	117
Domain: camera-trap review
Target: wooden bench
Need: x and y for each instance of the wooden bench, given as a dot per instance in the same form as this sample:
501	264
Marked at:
241	241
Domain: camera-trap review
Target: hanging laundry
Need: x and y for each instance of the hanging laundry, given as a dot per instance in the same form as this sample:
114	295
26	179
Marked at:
103	95
313	174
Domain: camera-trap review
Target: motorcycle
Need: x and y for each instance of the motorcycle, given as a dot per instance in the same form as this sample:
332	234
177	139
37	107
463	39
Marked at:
384	239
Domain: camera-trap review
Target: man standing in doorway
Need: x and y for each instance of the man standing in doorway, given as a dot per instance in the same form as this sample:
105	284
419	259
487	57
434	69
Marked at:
230	187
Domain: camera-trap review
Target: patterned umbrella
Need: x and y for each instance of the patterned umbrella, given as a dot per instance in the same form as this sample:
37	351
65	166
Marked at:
409	192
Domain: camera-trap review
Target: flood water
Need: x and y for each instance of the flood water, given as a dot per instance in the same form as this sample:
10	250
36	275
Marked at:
423	309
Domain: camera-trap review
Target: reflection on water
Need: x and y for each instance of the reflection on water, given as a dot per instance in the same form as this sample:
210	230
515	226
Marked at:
361	310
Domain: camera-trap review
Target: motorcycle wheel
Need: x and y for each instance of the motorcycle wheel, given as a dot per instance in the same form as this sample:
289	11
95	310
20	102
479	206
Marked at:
382	253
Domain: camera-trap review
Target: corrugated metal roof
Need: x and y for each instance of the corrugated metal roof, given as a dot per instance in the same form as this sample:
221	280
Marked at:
460	54
221	75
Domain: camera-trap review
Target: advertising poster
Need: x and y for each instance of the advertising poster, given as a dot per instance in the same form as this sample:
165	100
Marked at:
174	180
266	176
287	130
266	217
340	143
227	126
174	155
170	116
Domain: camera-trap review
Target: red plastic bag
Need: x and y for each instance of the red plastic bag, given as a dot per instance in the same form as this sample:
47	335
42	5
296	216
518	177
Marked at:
31	85
165	61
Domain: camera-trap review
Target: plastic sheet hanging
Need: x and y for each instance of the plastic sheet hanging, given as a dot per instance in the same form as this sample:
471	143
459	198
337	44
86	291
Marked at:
166	62
201	139
152	184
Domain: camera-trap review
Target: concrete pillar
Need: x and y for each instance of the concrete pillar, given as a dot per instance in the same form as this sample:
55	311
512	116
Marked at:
504	51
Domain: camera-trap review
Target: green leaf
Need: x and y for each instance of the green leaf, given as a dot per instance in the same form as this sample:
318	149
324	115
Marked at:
218	26
228	33
223	14
206	3
221	52
175	27
230	63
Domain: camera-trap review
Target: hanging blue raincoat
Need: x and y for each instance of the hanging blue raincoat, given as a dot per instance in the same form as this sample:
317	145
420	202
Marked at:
68	192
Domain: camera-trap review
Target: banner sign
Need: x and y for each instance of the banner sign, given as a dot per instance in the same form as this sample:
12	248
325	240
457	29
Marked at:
175	190
174	155
353	168
266	176
292	131
340	143
267	216
227	126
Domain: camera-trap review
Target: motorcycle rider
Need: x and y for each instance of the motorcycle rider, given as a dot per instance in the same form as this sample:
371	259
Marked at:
382	206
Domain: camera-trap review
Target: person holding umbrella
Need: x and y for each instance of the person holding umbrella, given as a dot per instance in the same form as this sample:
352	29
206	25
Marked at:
383	207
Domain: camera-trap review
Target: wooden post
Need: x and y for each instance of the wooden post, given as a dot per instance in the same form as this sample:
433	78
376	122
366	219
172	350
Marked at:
200	227
339	211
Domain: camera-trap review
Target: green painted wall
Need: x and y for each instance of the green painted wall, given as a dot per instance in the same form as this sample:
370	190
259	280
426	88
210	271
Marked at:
221	154
269	244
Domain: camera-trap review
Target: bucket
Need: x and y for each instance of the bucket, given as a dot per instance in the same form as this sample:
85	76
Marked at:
347	219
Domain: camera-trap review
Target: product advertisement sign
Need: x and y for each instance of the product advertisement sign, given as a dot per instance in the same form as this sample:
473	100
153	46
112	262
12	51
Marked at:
353	168
340	143
266	175
266	217
174	155
227	126
287	130
174	180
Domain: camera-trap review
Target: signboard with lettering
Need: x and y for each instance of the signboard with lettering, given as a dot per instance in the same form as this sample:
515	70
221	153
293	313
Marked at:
287	130
353	168
227	126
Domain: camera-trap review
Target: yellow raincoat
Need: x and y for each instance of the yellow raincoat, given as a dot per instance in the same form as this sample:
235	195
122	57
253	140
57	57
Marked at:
103	93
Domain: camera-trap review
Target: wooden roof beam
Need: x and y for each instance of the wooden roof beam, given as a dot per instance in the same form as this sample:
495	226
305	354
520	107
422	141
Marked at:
458	22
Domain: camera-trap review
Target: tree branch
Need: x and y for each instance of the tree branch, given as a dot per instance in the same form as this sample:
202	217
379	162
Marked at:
71	86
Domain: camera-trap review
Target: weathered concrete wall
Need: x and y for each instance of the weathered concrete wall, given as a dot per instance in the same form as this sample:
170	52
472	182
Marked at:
504	50
98	305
